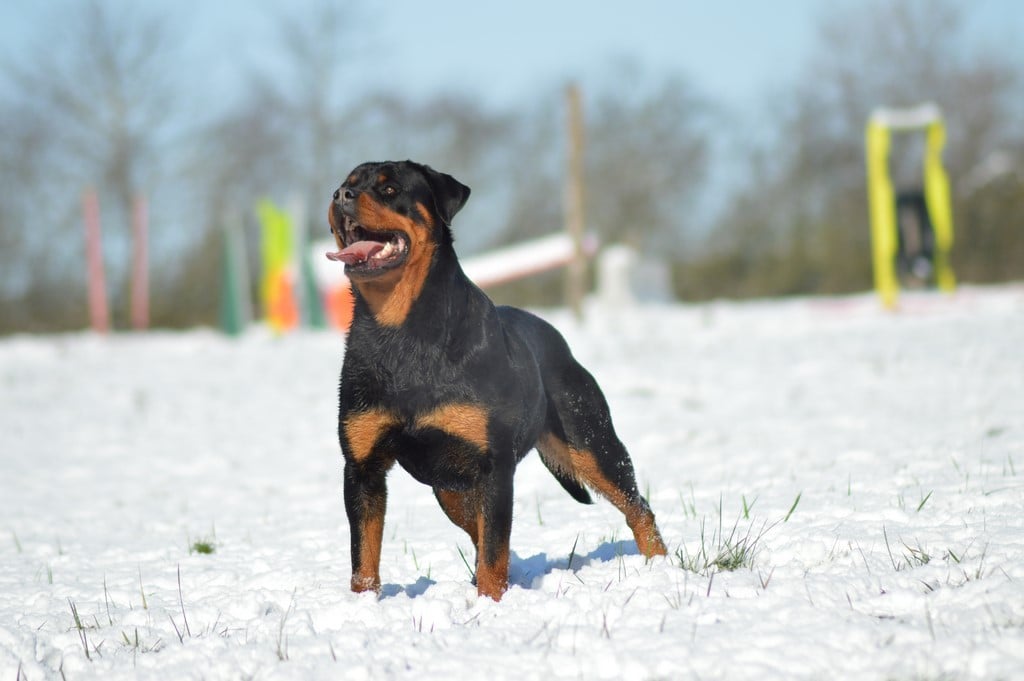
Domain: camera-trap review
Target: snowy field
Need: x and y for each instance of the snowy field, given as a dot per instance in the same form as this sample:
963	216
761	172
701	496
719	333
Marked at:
842	490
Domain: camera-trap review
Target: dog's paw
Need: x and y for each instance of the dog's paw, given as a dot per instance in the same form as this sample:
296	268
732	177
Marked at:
362	583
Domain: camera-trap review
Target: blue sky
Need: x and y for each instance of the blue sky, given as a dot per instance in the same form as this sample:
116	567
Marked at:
733	51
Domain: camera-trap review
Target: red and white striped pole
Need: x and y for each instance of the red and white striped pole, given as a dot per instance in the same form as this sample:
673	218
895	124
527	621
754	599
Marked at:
98	313
140	264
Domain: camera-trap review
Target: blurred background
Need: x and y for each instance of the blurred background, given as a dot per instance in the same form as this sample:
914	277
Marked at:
725	143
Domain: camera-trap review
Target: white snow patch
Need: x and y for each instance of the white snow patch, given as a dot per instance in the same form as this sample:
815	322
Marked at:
900	434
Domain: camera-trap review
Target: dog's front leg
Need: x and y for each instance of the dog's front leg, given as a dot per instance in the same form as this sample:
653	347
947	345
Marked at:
494	531
365	502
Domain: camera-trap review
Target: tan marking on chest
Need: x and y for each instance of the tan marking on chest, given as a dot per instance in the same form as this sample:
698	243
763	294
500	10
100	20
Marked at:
466	421
363	430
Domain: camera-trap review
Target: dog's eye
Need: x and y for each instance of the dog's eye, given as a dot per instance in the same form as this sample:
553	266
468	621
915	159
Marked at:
389	190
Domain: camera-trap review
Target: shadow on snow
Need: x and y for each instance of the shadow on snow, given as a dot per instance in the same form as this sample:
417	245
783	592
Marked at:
523	571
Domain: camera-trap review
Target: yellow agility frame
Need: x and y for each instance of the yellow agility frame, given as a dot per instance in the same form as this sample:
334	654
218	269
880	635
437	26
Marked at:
881	199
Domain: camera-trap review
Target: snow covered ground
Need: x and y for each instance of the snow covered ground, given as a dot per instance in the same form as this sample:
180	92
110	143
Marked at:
872	465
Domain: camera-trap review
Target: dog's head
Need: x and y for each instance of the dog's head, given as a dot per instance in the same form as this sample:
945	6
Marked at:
390	216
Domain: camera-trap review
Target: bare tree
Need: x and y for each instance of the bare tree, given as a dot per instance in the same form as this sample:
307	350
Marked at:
94	108
313	96
648	157
34	274
452	132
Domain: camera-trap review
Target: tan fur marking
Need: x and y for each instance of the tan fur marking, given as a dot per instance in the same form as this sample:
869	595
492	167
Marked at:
491	578
645	531
467	421
368	576
456	506
585	466
391	295
425	214
363	429
555	453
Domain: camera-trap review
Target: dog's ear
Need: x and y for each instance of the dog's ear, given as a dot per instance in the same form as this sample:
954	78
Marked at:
450	195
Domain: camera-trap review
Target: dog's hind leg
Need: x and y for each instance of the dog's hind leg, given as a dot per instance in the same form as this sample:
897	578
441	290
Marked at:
610	473
580	441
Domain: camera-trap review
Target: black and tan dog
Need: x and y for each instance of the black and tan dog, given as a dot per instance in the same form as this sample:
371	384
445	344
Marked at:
453	388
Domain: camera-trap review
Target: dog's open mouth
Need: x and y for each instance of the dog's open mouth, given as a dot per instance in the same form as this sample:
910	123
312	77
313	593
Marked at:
368	250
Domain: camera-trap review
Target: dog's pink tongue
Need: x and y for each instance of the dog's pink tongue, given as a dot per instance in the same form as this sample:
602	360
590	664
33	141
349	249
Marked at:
360	251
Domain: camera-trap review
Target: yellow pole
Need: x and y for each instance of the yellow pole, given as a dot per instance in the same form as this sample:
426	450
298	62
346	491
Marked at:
882	207
936	193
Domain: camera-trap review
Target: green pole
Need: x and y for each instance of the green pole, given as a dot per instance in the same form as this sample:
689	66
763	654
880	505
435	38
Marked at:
311	293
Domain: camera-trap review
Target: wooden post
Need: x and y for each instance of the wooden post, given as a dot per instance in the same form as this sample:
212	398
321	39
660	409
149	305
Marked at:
575	283
99	315
140	264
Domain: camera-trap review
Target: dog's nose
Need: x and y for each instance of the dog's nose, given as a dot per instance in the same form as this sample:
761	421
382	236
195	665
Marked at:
342	195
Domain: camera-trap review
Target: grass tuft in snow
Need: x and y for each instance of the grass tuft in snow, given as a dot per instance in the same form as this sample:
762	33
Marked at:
968	576
82	636
912	557
204	545
720	552
137	645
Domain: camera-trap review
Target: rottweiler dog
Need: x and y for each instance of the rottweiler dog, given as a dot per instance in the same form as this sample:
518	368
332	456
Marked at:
450	386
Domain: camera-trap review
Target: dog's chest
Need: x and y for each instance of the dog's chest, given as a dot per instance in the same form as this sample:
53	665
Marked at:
445	446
